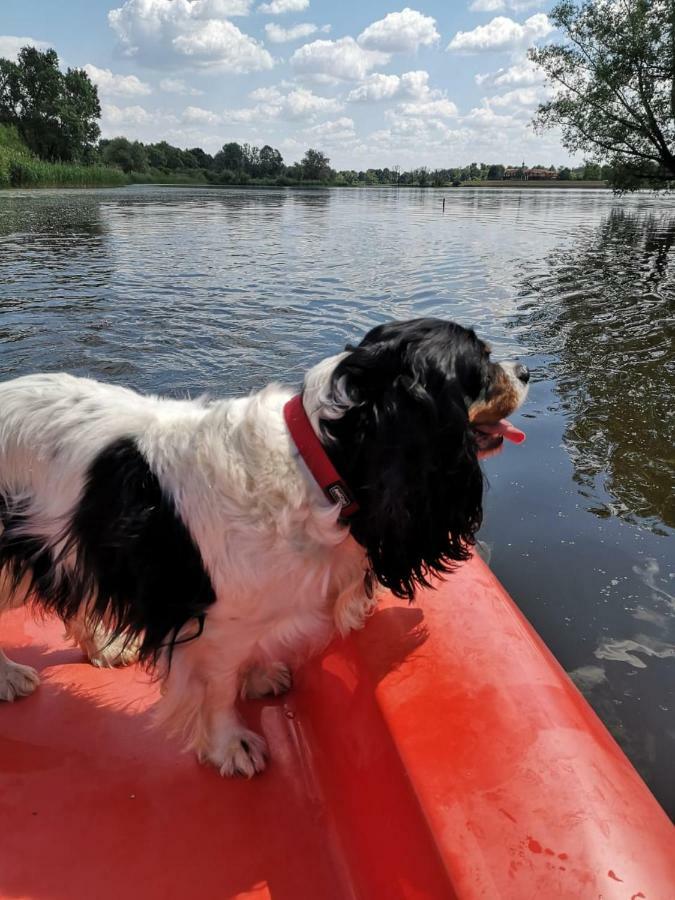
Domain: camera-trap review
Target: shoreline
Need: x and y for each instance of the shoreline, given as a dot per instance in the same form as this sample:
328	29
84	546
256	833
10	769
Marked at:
493	185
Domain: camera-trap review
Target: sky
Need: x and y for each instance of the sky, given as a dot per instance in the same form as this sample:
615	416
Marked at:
371	83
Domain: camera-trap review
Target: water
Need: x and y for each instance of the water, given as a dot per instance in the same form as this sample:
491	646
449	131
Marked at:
187	291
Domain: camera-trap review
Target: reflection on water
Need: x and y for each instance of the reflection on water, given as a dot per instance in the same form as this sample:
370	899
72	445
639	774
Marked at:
606	310
188	290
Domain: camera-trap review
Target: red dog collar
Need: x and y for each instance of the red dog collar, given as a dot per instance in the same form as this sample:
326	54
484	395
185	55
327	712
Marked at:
316	459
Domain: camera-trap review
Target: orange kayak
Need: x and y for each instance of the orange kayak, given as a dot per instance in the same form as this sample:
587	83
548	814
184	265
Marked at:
439	753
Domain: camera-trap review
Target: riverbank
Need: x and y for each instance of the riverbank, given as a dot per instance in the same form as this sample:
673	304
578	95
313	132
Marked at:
34	173
21	168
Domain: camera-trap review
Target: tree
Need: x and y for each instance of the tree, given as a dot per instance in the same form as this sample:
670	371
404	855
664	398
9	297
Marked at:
203	160
315	166
614	83
157	158
421	176
79	108
495	172
592	171
231	157
270	162
122	153
55	113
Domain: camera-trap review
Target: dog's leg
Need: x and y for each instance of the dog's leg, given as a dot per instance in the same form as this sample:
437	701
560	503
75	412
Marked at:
266	680
98	646
198	703
16	680
232	748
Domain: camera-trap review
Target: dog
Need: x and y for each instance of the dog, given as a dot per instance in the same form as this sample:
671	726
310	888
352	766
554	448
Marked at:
214	539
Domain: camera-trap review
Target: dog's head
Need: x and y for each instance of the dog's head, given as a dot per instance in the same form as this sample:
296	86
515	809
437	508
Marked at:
396	415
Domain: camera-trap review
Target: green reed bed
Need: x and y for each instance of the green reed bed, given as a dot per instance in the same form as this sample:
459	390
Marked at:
20	168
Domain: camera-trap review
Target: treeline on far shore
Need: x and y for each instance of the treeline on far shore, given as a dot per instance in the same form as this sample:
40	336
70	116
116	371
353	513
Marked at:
118	162
244	164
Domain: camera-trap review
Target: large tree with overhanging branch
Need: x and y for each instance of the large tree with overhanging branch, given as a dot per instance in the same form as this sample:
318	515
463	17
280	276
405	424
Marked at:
613	81
55	112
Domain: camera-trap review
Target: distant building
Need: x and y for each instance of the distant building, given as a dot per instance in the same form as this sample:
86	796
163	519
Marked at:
524	174
540	173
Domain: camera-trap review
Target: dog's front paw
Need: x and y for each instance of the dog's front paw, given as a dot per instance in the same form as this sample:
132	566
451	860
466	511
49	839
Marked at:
270	680
244	753
17	680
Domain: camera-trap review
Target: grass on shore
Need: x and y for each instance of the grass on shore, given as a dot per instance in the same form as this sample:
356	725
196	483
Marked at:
21	168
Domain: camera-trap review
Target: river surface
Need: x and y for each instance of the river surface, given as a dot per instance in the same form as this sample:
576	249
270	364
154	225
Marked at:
186	291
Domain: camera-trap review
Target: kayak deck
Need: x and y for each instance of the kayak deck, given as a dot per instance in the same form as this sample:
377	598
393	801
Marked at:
441	752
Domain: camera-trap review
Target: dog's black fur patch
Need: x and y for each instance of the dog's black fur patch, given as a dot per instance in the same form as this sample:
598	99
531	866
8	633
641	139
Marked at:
130	556
405	447
24	554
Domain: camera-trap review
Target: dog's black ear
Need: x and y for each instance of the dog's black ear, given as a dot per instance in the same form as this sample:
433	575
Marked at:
405	448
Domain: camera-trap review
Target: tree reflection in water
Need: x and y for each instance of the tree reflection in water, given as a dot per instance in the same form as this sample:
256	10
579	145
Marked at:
606	310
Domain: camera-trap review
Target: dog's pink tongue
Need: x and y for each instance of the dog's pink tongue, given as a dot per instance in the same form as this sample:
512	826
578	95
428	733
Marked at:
505	429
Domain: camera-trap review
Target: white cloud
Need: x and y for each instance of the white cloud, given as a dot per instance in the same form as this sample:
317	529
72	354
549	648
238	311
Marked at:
415	142
344	59
499	5
122	85
416	98
136	122
201	116
416	85
405	136
341	129
441	108
410	86
526	97
118	116
266	95
502	33
10	45
400	32
485	119
194	32
301	104
297	104
520	73
376	87
487	6
178	86
278	7
217	9
224	44
279	35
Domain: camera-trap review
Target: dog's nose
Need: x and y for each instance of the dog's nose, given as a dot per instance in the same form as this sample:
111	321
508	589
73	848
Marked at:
522	373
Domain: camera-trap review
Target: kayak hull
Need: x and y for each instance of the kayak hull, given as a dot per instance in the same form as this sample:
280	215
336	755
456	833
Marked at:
441	752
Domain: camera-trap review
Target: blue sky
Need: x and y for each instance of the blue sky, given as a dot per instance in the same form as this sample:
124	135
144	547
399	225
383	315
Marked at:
371	83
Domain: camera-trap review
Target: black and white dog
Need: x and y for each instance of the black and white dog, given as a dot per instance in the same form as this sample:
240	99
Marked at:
212	539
